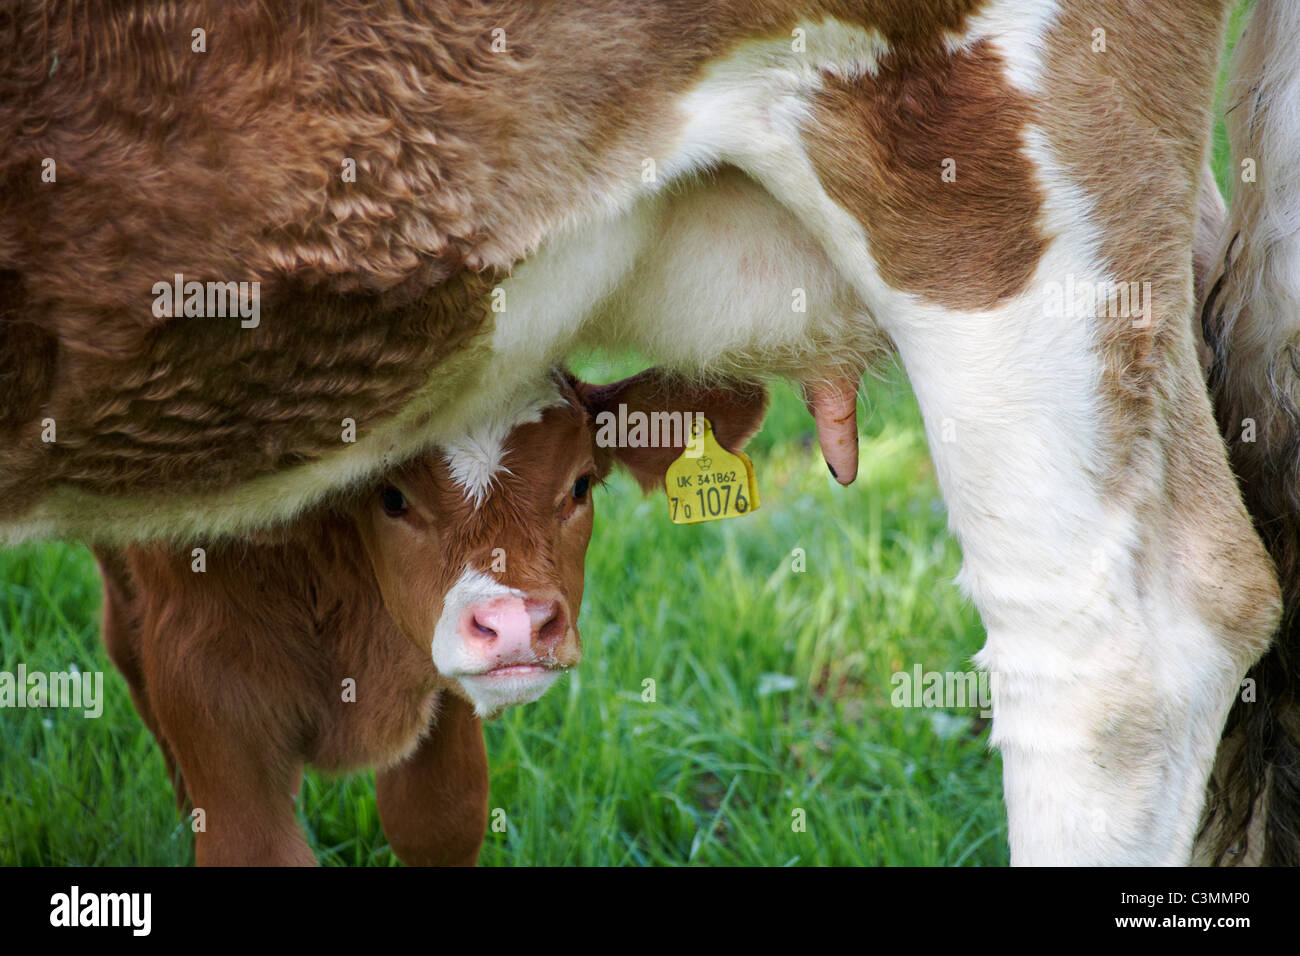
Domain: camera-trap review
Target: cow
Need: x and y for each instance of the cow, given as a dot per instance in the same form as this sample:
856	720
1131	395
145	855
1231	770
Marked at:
378	630
251	253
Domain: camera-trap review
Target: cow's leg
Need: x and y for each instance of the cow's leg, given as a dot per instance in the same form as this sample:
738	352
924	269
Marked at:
958	188
1122	587
433	805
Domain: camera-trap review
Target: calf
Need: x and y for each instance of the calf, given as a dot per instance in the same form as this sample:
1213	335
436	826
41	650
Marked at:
312	644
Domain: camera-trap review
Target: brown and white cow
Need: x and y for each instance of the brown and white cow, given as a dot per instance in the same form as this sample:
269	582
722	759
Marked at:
312	644
438	200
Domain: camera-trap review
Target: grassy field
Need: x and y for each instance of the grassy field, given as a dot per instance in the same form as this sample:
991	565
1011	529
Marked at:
772	690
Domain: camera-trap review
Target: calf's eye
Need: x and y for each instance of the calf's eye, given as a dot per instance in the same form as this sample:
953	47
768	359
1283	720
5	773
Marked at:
394	501
581	487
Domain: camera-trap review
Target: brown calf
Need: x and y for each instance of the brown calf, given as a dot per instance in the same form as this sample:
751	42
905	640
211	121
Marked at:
312	644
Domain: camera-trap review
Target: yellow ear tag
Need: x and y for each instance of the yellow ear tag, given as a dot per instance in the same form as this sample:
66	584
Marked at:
707	482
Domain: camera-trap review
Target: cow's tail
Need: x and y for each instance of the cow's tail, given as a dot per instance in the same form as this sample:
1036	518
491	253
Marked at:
1251	320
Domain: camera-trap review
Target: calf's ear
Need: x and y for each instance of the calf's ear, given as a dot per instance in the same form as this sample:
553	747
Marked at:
735	407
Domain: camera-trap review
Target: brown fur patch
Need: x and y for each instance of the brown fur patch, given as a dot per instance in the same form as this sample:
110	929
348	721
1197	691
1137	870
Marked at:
879	144
226	165
204	403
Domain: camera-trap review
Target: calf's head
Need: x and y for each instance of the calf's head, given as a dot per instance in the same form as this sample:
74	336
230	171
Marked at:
479	546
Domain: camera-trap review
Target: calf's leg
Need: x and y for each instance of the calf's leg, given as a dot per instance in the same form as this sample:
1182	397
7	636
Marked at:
235	733
122	640
434	805
244	797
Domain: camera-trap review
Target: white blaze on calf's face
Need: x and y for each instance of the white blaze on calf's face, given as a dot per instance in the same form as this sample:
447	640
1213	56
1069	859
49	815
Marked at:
476	457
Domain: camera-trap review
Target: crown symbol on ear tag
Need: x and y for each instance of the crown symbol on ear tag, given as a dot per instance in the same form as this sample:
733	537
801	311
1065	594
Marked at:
706	482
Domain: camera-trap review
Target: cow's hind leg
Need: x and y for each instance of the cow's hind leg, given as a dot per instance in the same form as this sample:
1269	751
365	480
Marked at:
1018	213
433	805
1123	590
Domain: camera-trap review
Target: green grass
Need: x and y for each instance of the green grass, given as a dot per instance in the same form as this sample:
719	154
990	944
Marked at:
771	689
1221	155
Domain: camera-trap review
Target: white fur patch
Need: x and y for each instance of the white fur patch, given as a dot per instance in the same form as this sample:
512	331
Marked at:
471	588
476	457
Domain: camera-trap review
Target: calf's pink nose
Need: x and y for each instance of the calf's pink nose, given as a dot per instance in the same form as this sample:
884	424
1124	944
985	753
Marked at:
512	627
